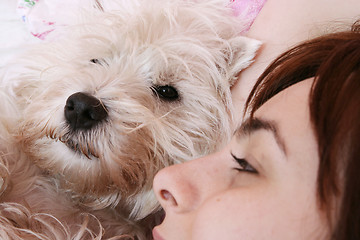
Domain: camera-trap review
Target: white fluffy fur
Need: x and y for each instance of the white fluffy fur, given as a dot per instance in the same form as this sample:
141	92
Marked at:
50	191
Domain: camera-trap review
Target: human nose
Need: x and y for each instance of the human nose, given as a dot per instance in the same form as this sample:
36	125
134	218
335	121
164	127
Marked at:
181	188
173	188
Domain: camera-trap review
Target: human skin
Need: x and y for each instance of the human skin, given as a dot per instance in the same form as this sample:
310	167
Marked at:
282	24
270	195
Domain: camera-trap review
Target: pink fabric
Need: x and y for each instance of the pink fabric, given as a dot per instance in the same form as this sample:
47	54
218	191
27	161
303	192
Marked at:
247	9
43	16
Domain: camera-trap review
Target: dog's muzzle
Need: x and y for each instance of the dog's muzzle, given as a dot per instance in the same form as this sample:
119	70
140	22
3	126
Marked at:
83	111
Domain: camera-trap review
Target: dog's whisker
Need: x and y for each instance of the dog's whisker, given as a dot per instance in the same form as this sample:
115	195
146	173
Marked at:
45	125
85	153
129	130
92	151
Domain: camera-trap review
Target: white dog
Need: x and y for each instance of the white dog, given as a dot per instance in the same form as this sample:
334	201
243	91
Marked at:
87	121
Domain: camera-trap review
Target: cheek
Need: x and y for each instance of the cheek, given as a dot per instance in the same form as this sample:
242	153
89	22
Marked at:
255	214
230	215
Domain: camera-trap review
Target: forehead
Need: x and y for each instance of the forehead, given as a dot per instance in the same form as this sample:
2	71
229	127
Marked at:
289	104
289	110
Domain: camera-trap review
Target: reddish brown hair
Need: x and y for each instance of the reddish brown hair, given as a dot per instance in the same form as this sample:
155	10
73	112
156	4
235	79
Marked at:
334	61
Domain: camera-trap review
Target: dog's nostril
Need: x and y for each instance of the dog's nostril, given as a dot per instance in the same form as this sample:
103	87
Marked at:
83	111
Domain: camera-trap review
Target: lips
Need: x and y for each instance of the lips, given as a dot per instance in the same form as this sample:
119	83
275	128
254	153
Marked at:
156	235
159	218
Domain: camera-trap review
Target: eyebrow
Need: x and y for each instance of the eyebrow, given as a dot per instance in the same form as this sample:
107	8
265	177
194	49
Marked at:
253	125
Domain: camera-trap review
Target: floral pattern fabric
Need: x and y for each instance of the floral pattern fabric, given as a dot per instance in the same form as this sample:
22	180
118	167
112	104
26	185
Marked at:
43	16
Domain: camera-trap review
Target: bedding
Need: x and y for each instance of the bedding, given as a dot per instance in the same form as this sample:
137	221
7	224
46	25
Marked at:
26	22
14	35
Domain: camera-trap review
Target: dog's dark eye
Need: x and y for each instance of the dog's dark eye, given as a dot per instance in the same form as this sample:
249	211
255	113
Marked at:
166	92
94	60
101	61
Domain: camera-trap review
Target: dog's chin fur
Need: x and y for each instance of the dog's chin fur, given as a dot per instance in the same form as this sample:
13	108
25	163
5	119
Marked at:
65	183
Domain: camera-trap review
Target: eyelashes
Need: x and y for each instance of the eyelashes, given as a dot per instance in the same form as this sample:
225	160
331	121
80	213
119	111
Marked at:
244	166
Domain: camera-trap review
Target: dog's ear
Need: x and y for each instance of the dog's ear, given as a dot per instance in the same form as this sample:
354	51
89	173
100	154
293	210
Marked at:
239	53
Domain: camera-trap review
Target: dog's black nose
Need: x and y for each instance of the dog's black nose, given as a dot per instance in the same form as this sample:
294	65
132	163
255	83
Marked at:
83	111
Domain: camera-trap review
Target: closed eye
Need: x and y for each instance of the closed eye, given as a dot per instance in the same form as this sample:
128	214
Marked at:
244	166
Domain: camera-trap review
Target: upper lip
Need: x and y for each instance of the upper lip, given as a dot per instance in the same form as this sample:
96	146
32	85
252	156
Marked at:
156	235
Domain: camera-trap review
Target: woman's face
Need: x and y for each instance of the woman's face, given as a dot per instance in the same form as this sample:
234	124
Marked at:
261	186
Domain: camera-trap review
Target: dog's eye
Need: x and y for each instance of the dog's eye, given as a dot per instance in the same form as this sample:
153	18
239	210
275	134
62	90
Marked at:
166	92
101	61
94	60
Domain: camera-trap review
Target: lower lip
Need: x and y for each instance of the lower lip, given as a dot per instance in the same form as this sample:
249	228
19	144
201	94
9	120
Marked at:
156	235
